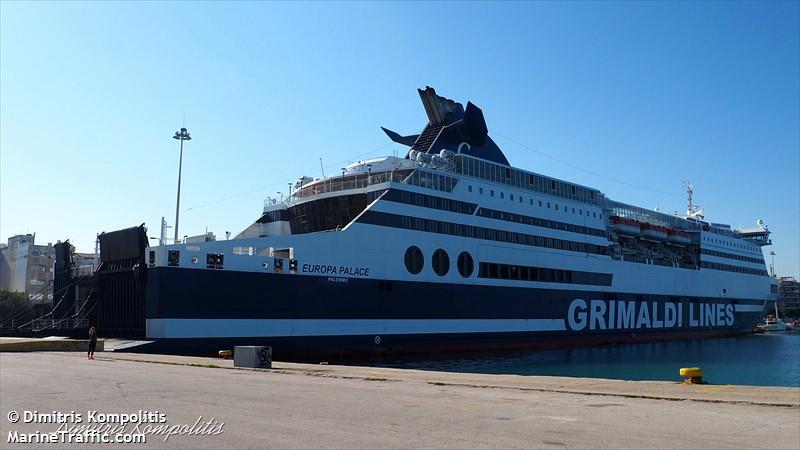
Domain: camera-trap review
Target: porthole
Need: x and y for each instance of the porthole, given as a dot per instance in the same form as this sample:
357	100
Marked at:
414	260
465	264
440	262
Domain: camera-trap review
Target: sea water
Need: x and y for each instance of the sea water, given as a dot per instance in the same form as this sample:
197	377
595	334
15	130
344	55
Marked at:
768	359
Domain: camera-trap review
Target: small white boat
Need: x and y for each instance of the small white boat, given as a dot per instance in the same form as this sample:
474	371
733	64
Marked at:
775	323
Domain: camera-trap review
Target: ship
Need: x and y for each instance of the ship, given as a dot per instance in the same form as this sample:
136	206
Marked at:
451	248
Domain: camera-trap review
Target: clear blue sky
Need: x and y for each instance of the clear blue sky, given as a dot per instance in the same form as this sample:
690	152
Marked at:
647	93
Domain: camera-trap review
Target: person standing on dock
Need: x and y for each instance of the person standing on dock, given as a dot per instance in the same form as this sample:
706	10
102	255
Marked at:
92	342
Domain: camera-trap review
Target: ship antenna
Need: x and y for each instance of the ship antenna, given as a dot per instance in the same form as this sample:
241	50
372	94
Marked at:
692	210
689	192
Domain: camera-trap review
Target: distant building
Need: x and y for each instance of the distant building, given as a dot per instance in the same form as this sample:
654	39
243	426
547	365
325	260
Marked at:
82	264
27	267
788	293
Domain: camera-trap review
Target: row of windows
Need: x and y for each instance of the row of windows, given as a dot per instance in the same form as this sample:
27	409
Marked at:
470	231
326	214
432	180
440	261
729	268
542	274
535	221
521	199
430	201
718	241
731	256
506	175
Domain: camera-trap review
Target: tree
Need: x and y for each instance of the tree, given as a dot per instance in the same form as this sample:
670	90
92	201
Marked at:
15	306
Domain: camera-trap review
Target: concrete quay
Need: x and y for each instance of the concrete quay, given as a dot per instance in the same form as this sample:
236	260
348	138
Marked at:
48	344
327	406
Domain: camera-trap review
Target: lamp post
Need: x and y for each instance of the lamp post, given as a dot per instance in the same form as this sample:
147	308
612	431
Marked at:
772	265
182	135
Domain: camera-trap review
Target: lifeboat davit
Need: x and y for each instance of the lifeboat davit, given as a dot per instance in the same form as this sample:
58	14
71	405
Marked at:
628	227
678	236
655	232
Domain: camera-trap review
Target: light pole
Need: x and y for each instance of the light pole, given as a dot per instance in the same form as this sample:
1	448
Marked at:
182	135
772	265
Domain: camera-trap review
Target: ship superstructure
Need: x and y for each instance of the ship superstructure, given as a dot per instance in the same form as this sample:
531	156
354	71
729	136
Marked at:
451	247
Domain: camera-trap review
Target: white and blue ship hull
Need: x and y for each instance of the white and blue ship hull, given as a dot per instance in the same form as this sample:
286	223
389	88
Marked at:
452	249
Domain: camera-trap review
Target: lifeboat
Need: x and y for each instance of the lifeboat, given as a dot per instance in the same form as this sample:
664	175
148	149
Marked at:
655	232
628	227
678	237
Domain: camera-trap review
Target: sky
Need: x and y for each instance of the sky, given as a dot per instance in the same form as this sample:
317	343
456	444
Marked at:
631	98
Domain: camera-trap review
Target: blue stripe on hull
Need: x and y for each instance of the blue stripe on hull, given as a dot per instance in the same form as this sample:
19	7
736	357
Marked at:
211	301
191	293
343	347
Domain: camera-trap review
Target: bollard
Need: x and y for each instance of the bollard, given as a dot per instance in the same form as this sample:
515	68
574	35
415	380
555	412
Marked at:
252	356
693	375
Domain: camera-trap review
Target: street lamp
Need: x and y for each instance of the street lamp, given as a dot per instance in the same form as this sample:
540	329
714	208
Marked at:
181	135
772	265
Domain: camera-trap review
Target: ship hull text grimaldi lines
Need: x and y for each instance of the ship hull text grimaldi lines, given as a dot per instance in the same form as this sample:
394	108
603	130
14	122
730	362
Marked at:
452	248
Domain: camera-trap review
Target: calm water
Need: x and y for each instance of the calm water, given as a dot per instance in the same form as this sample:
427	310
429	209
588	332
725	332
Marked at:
769	359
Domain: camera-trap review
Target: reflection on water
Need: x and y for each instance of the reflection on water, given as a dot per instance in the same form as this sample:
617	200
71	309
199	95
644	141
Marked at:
769	359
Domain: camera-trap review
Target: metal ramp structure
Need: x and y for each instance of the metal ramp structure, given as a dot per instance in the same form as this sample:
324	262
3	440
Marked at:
119	308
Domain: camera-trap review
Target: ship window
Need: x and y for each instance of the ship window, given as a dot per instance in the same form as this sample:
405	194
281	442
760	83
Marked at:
556	206
480	191
465	264
277	265
548	205
531	202
540	203
440	262
520	199
502	195
511	197
414	260
469	188
247	251
214	260
152	257
491	193
173	257
194	259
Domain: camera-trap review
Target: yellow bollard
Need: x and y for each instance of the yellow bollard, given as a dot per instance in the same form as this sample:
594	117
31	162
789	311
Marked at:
225	354
692	375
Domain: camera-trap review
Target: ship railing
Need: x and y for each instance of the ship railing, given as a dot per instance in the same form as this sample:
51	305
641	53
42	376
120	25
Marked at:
58	324
337	184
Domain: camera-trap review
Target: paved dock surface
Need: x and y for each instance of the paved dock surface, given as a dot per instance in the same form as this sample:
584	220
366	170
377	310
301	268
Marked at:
310	406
